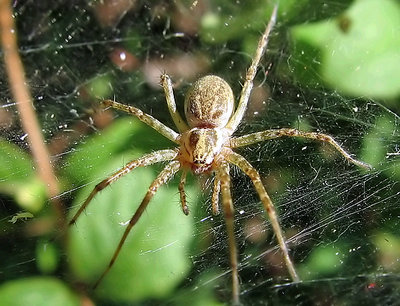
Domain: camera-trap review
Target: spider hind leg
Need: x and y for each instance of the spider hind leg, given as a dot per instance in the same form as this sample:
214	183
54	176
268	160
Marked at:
146	160
269	207
166	174
215	196
227	204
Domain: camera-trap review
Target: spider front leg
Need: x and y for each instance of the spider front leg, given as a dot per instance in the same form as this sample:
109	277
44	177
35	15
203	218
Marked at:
149	159
225	181
164	176
251	73
169	96
269	207
145	118
272	134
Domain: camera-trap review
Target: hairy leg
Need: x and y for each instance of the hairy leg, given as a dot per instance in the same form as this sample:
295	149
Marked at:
168	172
169	96
145	118
149	159
224	178
253	174
251	73
182	194
215	196
287	132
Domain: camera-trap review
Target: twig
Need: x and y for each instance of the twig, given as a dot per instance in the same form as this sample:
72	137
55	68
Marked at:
20	91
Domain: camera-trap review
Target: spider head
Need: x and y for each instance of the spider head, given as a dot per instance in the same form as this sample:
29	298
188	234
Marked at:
199	148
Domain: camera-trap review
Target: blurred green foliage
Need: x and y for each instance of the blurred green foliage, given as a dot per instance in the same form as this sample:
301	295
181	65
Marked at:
18	178
37	291
356	53
343	233
158	244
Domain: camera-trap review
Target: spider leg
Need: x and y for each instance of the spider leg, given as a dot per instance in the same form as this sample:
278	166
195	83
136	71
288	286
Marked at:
225	181
215	196
253	174
251	73
272	134
169	95
145	118
182	194
148	159
166	174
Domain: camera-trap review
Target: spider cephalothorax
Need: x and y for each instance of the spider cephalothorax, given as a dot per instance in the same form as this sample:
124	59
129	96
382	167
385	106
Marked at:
200	148
205	145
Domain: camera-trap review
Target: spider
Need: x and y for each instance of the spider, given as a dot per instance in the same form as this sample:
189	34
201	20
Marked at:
205	146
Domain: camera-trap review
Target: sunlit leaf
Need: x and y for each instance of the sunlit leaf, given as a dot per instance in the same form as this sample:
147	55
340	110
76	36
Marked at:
126	134
18	178
16	164
155	257
357	52
37	291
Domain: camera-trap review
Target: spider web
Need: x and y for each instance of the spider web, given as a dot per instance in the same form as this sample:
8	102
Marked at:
341	222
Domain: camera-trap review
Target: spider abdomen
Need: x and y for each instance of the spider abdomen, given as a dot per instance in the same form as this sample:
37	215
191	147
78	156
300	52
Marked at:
209	103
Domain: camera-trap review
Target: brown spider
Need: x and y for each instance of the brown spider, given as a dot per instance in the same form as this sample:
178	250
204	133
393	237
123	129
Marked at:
205	145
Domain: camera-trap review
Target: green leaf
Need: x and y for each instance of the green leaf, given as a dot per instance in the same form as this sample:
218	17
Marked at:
16	165
99	86
324	260
202	292
46	256
357	53
219	28
387	249
376	153
374	149
155	257
18	178
124	134
40	291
